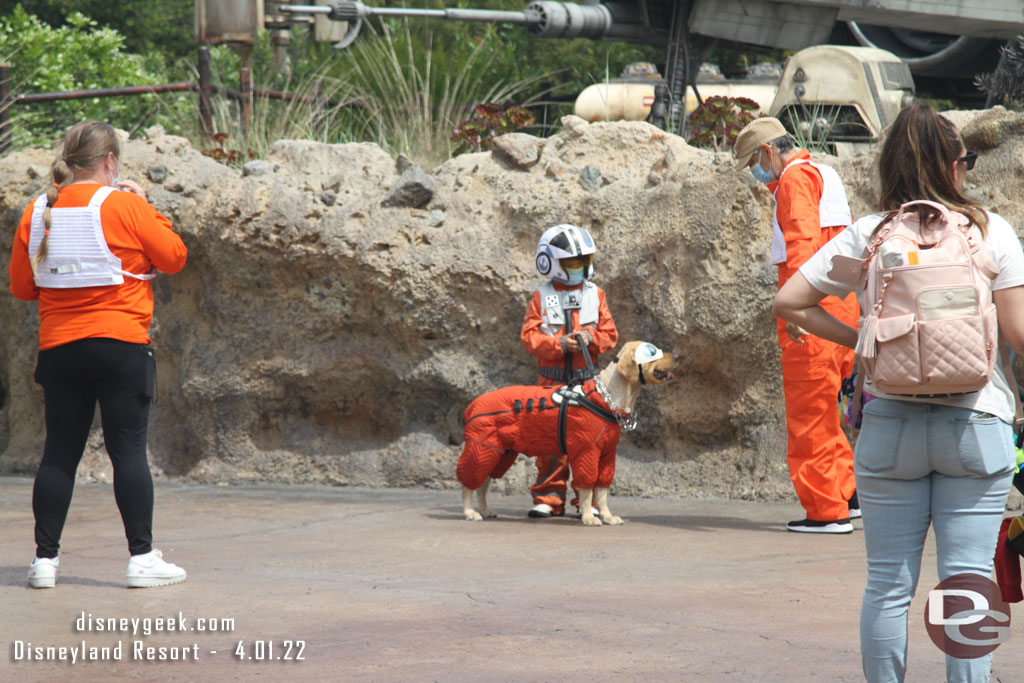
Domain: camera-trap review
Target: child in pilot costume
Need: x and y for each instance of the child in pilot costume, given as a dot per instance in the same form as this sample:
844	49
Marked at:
565	312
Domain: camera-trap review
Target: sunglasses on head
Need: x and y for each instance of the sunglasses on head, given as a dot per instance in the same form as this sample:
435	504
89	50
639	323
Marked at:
969	159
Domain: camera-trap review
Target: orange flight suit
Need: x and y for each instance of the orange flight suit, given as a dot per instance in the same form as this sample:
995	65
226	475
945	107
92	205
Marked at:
553	469
819	455
505	422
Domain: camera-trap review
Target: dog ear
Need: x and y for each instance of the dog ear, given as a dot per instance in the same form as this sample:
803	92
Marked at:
626	364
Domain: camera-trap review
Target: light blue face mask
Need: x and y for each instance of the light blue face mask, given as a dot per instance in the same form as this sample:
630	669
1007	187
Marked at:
761	174
574	275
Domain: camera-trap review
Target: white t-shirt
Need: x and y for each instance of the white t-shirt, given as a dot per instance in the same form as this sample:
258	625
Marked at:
1005	249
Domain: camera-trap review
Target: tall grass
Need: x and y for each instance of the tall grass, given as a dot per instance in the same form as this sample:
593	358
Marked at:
413	105
319	109
396	89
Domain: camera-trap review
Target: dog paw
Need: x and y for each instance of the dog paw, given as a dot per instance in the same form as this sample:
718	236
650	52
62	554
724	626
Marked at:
611	519
473	516
590	520
487	514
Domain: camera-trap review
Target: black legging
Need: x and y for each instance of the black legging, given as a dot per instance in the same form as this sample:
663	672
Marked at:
74	377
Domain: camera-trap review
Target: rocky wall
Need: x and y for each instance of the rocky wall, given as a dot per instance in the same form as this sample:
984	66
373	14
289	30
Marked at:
340	308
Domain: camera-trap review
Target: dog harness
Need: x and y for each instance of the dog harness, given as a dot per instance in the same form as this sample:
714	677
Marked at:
575	396
536	420
77	253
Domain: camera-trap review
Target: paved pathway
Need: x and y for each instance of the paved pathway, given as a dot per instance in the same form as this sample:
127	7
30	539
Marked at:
392	585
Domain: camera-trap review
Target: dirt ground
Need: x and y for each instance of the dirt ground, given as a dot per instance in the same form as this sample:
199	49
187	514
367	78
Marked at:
393	585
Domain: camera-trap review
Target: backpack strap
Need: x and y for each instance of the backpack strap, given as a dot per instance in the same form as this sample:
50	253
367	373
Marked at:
984	263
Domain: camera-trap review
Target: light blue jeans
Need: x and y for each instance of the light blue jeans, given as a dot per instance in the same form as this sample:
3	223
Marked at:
918	464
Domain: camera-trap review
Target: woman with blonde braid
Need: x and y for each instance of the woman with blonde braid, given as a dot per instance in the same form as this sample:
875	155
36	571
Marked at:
86	250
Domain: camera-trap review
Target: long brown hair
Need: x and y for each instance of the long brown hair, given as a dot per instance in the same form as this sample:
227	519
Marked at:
917	162
86	145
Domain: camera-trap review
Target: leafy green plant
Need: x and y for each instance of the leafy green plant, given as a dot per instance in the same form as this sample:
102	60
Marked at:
719	120
151	28
491	120
81	55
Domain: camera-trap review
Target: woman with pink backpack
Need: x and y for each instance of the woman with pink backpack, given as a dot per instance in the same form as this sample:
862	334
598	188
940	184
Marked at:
936	446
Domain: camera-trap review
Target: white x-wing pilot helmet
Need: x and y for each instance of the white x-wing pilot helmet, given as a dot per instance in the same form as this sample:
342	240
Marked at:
565	254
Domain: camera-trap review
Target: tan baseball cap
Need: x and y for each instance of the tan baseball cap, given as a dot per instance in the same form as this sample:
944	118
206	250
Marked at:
756	133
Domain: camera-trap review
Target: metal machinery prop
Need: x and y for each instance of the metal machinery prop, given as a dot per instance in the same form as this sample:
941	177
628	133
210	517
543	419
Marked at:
911	29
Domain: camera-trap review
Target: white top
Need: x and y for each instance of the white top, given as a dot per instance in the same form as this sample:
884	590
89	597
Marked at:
1004	247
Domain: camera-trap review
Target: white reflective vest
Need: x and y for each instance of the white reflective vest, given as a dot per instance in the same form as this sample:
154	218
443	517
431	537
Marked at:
553	312
833	209
77	254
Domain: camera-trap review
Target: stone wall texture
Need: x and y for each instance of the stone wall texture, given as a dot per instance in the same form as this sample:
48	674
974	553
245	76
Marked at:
340	308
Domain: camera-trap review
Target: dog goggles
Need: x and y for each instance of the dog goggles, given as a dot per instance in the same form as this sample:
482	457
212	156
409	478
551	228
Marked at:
646	353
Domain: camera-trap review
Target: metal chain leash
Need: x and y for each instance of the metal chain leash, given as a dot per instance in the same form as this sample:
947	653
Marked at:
627	422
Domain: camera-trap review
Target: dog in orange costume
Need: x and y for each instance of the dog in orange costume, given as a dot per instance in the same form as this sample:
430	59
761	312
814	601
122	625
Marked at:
503	423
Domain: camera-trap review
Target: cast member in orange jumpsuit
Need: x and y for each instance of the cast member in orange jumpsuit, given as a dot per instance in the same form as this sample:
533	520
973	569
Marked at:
810	209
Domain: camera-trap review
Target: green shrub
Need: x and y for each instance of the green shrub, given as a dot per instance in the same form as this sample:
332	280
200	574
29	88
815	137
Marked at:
78	56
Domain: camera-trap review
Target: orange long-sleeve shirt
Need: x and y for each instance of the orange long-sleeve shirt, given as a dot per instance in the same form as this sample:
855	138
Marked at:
797	200
548	348
137	234
797	197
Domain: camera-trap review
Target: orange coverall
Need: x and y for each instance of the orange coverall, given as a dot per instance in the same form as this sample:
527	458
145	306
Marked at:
503	423
819	456
553	469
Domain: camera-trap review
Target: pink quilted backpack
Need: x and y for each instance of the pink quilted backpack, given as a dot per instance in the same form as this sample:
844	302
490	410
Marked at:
931	326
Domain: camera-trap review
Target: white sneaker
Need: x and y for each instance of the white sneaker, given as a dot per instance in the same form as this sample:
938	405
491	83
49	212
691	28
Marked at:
541	510
150	570
42	573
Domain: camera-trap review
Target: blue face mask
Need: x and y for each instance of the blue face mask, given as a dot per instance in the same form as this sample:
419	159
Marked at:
575	275
761	174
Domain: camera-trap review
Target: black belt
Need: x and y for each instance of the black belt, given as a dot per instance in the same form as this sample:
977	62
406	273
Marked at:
567	377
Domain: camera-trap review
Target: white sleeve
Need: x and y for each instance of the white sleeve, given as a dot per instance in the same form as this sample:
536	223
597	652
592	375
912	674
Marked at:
1005	249
850	242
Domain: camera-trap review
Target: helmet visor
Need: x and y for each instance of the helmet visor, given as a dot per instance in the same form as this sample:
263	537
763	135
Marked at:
576	262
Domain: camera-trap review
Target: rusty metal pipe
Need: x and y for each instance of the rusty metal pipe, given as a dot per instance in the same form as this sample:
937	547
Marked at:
106	92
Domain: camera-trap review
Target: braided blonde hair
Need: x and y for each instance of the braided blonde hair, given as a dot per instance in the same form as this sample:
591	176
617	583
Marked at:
86	145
